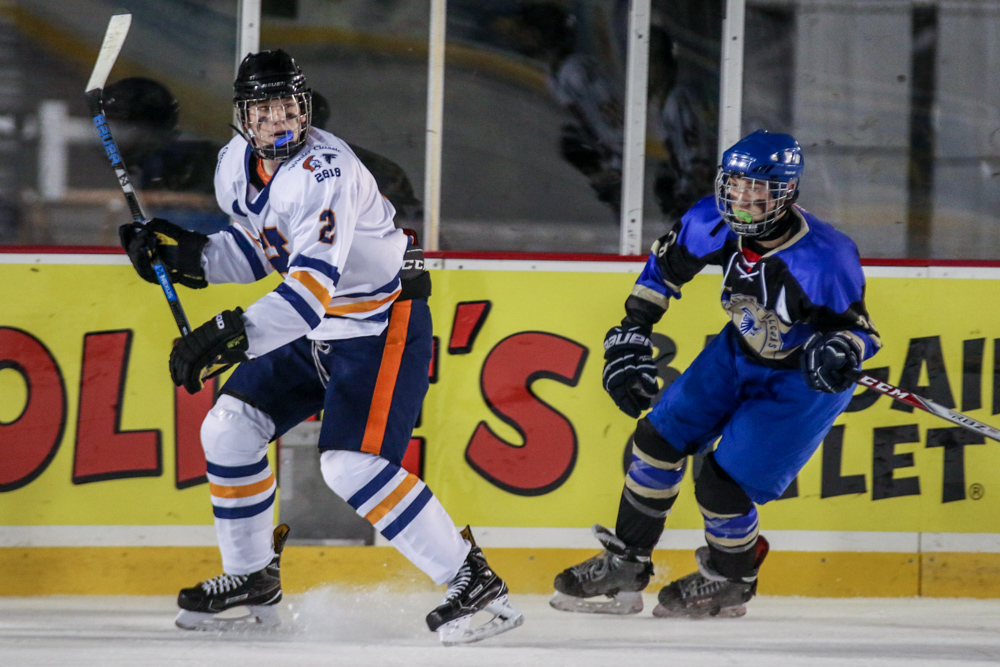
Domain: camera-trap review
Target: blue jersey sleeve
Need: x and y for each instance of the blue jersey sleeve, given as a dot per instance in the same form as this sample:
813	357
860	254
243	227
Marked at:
698	239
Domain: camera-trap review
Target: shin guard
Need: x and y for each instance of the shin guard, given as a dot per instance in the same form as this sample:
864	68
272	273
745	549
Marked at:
401	507
242	486
731	522
651	487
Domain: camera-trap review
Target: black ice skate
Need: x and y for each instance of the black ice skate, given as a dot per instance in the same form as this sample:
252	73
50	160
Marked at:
475	588
708	593
620	573
259	592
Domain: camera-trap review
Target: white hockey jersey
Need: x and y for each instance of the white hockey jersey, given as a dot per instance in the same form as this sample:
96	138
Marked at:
323	225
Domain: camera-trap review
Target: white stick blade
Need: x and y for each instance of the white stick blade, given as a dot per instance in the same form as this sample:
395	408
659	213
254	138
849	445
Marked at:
114	38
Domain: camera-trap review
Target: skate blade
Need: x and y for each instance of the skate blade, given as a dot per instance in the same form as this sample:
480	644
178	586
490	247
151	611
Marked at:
257	617
621	604
505	617
660	611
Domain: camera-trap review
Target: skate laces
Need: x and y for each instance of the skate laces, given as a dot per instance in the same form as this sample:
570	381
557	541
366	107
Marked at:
223	583
458	585
597	567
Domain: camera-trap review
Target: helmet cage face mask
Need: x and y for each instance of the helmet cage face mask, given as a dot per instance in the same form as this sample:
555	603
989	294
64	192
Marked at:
276	127
752	206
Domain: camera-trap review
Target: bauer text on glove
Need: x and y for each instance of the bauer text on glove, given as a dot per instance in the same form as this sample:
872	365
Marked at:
629	372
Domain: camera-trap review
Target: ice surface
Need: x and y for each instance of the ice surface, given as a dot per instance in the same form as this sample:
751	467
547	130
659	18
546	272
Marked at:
339	626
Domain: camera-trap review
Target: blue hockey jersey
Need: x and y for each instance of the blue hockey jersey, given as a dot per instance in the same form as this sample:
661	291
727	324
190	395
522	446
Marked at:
811	283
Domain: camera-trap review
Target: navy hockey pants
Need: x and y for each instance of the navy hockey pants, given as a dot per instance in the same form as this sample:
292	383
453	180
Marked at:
375	390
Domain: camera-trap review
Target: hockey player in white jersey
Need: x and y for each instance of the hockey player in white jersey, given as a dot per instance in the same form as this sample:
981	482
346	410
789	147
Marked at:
347	332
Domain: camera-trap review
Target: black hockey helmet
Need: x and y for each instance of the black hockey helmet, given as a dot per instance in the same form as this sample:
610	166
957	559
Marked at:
141	100
273	75
144	115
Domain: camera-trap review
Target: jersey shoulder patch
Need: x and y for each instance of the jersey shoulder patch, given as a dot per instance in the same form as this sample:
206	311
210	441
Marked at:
702	229
325	159
826	264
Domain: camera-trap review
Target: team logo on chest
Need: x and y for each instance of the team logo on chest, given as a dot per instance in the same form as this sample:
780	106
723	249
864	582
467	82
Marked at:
761	328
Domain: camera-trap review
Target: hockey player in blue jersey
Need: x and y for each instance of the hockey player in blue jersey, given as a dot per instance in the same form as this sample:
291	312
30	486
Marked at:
767	387
346	332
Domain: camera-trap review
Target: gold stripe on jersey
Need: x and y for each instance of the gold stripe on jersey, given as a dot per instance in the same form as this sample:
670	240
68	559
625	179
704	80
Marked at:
313	286
362	306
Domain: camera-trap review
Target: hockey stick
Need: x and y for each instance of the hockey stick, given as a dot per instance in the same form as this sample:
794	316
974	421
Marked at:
114	39
926	405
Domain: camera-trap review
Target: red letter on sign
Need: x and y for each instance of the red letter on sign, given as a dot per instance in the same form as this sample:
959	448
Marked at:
31	440
103	451
548	454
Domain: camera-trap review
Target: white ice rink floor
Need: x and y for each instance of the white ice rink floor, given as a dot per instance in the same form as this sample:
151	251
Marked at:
342	627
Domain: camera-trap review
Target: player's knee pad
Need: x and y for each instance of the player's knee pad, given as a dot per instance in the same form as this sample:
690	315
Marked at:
347	472
655	473
235	433
652	445
731	521
719	493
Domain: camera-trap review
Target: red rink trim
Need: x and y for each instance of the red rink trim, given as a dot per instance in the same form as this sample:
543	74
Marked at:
522	256
61	250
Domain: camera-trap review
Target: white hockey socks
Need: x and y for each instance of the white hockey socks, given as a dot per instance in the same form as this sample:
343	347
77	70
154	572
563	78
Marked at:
401	507
235	436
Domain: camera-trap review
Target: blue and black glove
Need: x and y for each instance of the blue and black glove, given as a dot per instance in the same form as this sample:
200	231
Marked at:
629	372
831	361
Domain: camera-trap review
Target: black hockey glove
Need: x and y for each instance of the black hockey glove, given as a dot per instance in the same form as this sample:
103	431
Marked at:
629	372
178	249
830	361
221	340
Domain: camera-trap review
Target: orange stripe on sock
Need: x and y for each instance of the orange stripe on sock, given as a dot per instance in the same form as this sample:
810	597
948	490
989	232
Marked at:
395	343
392	499
244	491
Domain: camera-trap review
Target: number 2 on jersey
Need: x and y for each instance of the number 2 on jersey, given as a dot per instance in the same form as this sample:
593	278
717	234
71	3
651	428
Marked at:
328	231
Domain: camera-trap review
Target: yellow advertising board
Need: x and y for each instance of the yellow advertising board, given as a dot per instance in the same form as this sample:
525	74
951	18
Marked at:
516	429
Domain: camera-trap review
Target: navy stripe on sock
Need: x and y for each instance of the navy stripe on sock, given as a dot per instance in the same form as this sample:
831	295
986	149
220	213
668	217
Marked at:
372	487
407	515
232	472
243	512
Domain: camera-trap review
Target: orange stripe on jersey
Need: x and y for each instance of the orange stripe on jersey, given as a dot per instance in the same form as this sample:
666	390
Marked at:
395	343
392	499
244	491
313	286
361	306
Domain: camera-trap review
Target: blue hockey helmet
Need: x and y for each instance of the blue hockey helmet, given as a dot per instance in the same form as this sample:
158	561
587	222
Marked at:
758	181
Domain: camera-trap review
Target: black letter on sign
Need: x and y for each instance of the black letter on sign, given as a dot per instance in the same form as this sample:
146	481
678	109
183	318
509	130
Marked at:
953	440
885	460
925	351
972	373
833	483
